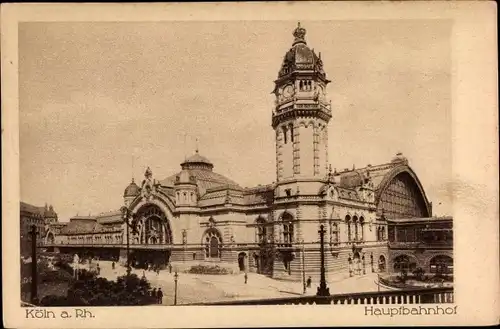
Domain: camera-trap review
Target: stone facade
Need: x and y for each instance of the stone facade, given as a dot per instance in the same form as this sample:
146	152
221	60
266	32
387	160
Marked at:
198	216
31	215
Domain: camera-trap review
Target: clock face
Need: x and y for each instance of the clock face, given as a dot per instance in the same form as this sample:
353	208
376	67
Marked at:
288	91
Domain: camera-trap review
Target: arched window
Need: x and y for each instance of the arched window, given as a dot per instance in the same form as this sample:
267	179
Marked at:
213	244
291	132
287	220
334	233
381	263
348	223
362	227
261	230
355	222
284	135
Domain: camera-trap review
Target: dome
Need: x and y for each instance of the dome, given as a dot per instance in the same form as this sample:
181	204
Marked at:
197	161
198	170
300	56
132	190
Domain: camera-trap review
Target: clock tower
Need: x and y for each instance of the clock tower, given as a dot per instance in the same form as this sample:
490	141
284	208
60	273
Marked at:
301	114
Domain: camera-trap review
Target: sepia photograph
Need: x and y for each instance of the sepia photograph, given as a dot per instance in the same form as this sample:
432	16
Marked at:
269	162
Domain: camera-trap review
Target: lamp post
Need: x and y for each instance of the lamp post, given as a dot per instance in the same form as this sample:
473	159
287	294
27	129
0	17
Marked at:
34	271
126	218
323	290
176	276
364	265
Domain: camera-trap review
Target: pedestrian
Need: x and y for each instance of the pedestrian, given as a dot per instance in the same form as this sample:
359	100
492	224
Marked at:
160	296
309	281
246	277
158	270
170	267
98	270
113	265
153	293
143	274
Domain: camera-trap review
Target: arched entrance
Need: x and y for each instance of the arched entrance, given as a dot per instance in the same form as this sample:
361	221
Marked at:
441	265
153	231
381	263
356	258
241	261
212	240
404	263
153	226
50	240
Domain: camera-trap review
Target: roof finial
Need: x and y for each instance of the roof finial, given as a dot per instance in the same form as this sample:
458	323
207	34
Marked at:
185	155
148	173
132	168
299	33
197	151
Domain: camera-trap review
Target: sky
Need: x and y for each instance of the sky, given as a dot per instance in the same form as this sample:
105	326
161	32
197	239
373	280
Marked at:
100	102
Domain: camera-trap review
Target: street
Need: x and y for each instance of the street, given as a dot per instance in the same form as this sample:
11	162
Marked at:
195	288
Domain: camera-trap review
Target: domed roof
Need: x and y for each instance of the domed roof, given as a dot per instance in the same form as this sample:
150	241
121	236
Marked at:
300	56
197	161
132	190
199	170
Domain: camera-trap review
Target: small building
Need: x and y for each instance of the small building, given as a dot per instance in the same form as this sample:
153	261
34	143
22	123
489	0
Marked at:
425	243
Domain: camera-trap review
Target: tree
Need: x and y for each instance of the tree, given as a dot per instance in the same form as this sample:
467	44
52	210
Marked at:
419	273
92	291
403	276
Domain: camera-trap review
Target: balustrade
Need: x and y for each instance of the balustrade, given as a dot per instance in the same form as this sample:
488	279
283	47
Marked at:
421	296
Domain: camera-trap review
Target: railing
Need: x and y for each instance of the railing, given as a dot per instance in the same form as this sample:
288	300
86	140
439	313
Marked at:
110	245
414	296
419	244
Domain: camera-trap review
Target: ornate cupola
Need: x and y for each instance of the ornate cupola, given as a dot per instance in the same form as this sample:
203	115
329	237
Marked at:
197	161
131	192
185	182
301	112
